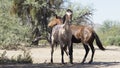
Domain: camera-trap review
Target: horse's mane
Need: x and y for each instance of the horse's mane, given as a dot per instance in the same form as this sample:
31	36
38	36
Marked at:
58	17
64	18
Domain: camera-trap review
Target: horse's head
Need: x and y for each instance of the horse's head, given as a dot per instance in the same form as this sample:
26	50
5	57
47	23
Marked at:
69	15
67	18
55	21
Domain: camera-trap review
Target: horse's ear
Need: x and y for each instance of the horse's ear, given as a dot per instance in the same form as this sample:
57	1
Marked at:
69	10
56	16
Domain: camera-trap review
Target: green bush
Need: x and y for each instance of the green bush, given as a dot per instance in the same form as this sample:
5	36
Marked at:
12	33
110	40
21	58
117	40
110	35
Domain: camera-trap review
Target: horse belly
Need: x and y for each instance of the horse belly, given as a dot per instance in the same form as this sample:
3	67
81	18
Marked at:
75	40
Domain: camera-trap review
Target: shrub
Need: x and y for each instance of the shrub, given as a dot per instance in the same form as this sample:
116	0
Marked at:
12	33
110	33
21	59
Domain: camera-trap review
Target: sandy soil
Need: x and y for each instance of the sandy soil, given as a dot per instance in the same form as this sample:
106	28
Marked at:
109	58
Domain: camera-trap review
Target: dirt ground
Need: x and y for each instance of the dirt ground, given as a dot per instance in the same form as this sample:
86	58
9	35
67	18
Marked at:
109	58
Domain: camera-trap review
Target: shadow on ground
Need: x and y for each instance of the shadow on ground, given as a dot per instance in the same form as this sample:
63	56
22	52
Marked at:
59	65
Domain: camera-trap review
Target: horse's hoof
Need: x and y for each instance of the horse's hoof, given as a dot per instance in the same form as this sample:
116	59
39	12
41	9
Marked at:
51	62
82	62
71	62
63	62
90	62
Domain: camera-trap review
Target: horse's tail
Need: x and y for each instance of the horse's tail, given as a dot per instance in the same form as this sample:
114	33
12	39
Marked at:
98	42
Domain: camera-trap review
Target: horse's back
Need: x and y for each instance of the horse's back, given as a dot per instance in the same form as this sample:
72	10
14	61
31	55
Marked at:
81	33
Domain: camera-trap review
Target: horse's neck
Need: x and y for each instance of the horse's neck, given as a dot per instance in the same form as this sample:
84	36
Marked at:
66	23
66	26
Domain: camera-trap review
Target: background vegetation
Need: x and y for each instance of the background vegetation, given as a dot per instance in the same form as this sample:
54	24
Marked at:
109	32
21	21
11	32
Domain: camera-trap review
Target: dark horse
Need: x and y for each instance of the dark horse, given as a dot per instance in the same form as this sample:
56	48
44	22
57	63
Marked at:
62	34
81	34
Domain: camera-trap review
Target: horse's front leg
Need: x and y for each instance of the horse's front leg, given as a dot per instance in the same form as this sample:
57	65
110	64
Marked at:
62	54
52	50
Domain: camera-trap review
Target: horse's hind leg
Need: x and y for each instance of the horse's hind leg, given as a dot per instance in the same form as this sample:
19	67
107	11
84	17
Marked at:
87	51
62	53
52	50
70	47
93	51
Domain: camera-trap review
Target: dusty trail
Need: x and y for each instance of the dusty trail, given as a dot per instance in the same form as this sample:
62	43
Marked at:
41	58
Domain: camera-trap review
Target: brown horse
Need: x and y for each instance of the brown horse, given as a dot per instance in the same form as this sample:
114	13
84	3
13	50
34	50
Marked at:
61	34
81	34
